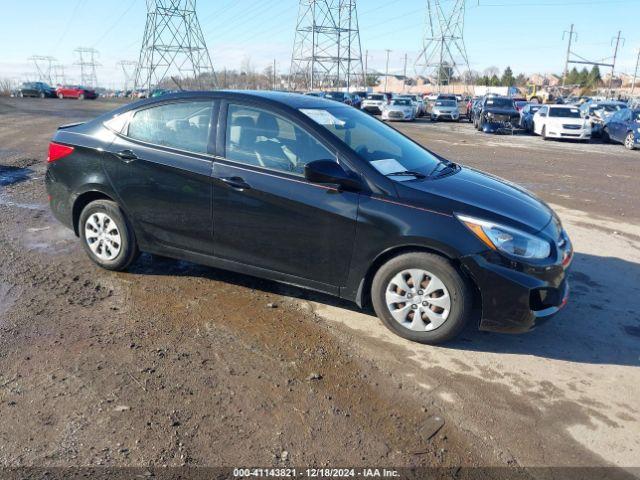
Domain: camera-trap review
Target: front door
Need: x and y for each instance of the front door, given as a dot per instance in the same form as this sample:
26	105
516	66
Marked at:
161	172
266	214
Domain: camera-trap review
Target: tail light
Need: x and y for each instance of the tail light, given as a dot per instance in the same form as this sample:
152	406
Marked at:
57	151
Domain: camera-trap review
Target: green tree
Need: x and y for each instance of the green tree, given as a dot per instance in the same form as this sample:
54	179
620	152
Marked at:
573	76
508	79
583	77
594	77
495	81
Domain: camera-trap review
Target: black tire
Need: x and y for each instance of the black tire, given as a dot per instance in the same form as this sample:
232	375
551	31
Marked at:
459	292
543	133
61	96
42	95
81	96
605	135
128	247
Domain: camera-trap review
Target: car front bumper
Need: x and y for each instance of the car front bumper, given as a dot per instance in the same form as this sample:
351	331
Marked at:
445	116
566	134
517	300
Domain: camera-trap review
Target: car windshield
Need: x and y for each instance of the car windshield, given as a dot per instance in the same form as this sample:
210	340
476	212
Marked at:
446	103
383	147
334	95
564	112
500	102
403	102
375	97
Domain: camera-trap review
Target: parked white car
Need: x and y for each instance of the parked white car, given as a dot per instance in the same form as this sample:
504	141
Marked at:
374	102
417	102
399	109
561	121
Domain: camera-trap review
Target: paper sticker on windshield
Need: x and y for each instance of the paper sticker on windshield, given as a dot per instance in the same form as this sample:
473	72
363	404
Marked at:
322	117
387	166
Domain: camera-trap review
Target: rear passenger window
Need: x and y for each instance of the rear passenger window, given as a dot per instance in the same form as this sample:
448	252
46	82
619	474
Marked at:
183	125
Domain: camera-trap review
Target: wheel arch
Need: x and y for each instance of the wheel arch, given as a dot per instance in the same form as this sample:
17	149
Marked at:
363	296
84	199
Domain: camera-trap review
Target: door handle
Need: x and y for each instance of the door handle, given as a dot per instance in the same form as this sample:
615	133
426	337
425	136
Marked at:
127	156
236	183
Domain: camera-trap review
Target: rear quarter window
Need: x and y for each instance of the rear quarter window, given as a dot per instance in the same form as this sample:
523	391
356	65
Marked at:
181	125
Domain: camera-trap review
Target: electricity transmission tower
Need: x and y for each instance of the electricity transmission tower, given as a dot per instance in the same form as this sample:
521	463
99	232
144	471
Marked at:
326	49
174	47
44	66
444	55
88	63
129	70
58	74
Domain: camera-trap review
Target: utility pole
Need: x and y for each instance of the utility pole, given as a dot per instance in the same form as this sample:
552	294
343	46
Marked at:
274	74
635	73
566	63
615	56
366	68
386	72
404	81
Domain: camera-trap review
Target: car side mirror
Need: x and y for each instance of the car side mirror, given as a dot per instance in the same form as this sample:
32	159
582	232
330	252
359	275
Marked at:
329	172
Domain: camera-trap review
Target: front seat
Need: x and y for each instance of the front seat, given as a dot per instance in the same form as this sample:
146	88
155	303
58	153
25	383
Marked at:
242	140
268	148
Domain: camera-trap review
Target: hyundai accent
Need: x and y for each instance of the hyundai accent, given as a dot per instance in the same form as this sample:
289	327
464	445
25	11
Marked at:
313	193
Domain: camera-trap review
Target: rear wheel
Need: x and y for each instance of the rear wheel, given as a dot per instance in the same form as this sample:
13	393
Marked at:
630	141
107	236
421	297
61	96
81	96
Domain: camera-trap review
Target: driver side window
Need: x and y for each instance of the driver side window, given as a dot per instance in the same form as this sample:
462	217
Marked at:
260	138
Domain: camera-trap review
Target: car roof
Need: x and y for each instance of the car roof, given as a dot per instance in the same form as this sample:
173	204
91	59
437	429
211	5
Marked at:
293	100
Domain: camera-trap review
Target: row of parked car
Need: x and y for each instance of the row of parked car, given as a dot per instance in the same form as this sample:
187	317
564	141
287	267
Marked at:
43	90
611	120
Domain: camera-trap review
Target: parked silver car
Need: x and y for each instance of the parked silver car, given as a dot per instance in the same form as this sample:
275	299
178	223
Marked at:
445	110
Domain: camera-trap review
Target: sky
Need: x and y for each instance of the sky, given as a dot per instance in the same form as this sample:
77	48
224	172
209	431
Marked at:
524	34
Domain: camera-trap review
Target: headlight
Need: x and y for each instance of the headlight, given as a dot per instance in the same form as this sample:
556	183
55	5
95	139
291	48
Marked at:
489	114
506	239
638	129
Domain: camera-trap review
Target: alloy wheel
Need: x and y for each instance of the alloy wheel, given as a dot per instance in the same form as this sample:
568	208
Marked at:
418	300
629	142
103	236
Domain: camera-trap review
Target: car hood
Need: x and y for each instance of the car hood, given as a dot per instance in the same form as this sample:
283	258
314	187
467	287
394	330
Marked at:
479	194
502	111
566	121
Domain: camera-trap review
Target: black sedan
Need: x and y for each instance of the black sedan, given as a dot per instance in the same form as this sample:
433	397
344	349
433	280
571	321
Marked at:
310	192
36	89
496	114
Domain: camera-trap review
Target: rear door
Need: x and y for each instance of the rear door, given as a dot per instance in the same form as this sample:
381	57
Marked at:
160	168
265	213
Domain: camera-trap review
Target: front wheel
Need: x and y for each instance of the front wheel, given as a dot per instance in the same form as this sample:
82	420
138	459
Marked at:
630	141
107	236
61	96
421	297
81	96
606	138
544	133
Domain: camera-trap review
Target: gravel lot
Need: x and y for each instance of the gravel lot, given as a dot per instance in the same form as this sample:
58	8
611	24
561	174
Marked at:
176	364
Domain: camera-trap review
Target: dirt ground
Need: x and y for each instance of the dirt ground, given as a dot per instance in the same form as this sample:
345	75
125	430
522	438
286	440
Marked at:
174	364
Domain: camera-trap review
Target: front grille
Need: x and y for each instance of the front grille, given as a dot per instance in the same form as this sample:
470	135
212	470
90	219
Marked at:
570	135
396	115
571	127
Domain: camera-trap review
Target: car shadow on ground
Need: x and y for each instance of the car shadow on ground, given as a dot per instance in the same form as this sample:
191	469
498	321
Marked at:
594	328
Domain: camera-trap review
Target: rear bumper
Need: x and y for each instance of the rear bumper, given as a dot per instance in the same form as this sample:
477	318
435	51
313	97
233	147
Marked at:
59	200
517	301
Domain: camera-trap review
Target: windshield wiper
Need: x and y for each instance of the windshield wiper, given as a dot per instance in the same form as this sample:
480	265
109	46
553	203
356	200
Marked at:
406	173
446	163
